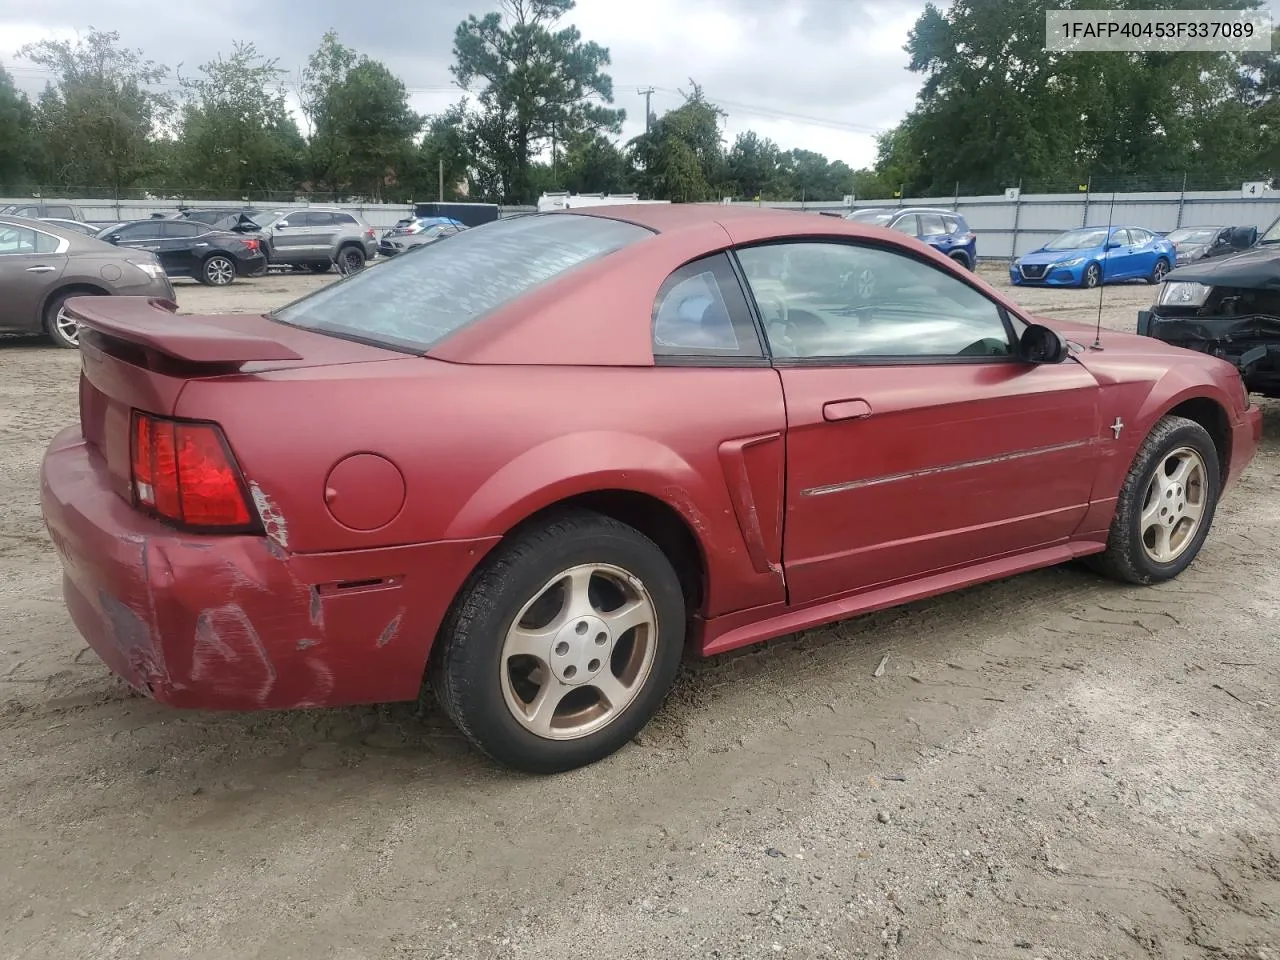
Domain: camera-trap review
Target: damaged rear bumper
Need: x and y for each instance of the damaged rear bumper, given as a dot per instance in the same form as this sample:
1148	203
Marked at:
1251	343
235	622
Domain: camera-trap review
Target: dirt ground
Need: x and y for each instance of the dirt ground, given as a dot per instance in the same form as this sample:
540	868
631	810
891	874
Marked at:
1049	767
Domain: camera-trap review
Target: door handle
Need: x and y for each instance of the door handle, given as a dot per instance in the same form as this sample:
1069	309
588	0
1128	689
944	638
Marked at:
41	269
200	244
846	410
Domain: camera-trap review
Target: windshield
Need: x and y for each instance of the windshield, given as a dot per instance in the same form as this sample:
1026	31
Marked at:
1272	235
876	218
1192	235
1078	240
413	303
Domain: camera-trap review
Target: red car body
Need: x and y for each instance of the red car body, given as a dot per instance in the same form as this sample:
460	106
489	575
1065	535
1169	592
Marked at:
787	495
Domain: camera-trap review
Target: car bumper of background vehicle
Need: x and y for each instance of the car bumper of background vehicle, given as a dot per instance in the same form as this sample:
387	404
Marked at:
1054	277
248	266
237	622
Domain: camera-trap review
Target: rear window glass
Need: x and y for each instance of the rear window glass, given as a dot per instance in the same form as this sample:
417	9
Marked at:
412	303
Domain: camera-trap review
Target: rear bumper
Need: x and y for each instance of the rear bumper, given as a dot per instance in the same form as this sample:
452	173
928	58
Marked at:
237	622
248	266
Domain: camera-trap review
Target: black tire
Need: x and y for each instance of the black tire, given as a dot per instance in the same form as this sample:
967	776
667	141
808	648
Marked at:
962	259
1159	271
466	672
56	331
353	259
320	267
217	270
1126	559
260	271
1092	277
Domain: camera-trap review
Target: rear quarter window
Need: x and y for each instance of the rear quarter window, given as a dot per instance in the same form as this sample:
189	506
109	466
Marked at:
413	303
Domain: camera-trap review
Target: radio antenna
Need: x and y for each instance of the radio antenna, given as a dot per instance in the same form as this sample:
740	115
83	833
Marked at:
1102	275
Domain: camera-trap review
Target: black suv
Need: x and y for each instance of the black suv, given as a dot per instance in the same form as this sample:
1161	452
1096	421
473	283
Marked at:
188	248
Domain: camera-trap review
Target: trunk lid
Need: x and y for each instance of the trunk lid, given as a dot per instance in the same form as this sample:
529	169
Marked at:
139	354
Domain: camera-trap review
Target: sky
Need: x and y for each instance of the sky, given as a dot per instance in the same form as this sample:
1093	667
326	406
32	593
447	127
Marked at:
823	75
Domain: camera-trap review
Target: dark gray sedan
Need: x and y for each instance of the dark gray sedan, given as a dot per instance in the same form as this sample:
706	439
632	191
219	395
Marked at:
42	265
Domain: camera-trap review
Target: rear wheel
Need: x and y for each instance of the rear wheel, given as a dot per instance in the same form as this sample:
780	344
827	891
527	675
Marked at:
563	646
962	259
1159	271
217	271
1166	505
353	259
60	325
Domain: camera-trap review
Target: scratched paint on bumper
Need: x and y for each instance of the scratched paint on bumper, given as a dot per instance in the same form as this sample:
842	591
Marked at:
237	622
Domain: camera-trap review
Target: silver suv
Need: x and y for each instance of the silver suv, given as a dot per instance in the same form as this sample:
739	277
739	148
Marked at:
319	237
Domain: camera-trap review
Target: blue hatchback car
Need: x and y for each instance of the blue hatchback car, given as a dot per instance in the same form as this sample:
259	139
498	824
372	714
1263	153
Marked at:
1092	255
944	230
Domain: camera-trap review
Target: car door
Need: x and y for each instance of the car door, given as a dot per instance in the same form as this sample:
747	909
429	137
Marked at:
144	235
916	442
290	238
324	230
933	231
185	244
1119	259
907	223
30	263
1142	252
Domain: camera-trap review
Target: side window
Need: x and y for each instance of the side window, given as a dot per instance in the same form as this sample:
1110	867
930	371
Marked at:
908	225
1139	237
61	213
139	231
1121	237
183	229
17	240
952	225
33	212
700	311
46	243
868	303
319	218
931	225
345	219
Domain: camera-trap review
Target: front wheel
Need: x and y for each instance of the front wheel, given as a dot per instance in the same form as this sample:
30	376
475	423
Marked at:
1159	271
1166	504
563	646
218	271
1092	276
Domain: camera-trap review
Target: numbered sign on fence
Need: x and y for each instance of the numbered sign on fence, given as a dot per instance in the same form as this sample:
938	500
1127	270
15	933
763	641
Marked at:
1253	189
1012	193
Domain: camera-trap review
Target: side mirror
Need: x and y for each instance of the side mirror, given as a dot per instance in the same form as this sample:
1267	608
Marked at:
1039	344
280	225
114	238
1113	245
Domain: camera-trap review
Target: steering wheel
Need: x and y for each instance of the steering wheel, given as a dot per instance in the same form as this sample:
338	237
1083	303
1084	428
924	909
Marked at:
775	300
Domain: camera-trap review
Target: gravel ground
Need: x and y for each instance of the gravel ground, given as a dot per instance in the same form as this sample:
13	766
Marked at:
1049	767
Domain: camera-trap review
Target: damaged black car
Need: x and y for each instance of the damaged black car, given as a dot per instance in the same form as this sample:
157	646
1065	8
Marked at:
1228	307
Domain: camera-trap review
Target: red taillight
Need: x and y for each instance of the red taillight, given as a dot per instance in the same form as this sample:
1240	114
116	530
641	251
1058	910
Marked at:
184	472
249	244
371	233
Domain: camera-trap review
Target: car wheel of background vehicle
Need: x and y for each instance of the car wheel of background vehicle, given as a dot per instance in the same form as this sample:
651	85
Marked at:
60	327
563	646
962	259
1166	505
1092	276
217	271
353	259
1158	271
320	267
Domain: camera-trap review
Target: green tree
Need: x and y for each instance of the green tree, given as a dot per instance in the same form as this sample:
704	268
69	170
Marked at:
754	168
98	116
681	158
362	126
539	82
444	154
17	136
594	164
237	135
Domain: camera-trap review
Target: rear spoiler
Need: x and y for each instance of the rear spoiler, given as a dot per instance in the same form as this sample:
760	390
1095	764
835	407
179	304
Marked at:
155	325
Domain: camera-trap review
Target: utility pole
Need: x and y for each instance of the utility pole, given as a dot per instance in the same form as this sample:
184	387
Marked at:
441	173
647	93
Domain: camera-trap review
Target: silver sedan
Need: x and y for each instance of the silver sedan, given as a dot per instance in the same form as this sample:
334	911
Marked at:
42	265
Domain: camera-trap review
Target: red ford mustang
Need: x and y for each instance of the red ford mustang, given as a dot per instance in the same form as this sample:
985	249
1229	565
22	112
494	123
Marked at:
535	462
